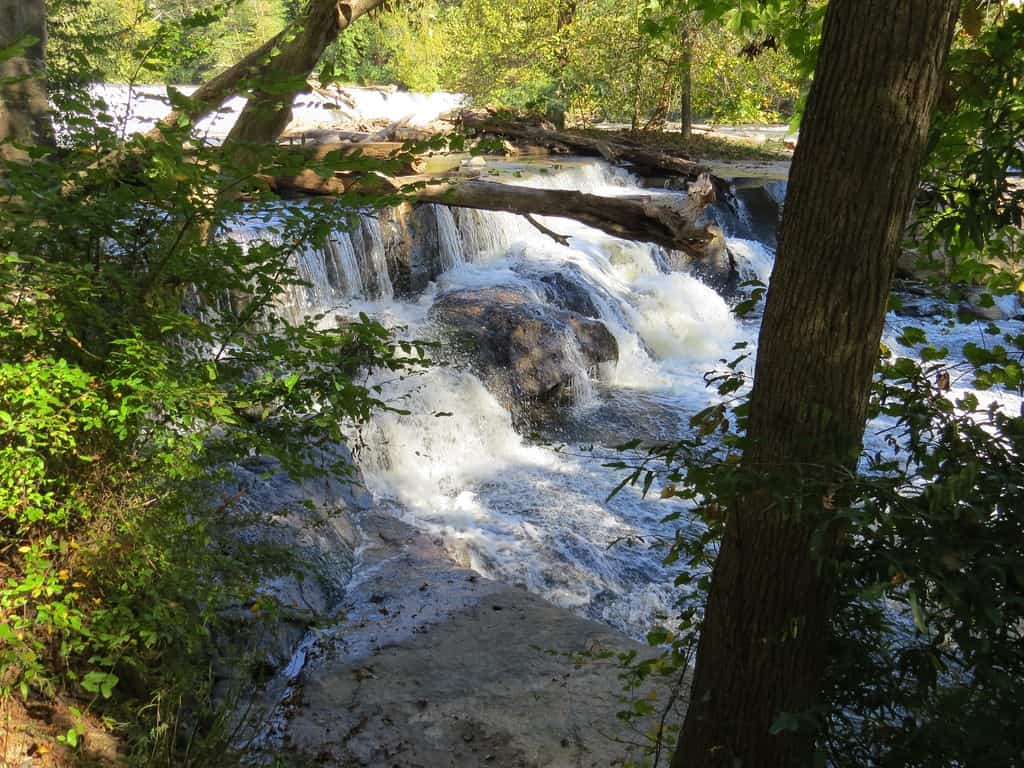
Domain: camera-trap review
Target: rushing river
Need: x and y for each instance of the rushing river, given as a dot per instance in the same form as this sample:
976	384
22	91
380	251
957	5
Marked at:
534	510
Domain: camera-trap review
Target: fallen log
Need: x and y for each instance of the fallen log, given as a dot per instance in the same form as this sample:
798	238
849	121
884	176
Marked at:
678	224
670	221
312	183
643	160
398	161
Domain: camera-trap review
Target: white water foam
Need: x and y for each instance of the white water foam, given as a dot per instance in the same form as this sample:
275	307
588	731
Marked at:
525	513
137	108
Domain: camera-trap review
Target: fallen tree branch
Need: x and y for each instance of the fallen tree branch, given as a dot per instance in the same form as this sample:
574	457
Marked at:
560	239
388	133
643	160
670	221
680	225
398	162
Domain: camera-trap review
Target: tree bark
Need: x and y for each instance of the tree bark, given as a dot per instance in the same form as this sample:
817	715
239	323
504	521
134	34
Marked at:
682	227
679	227
565	18
24	103
268	112
763	646
644	161
686	81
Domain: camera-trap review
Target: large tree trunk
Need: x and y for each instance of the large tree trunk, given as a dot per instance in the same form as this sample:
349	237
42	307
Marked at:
763	647
24	106
268	112
566	16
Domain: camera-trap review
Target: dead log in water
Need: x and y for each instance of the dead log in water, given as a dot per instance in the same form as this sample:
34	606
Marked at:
670	221
646	162
673	222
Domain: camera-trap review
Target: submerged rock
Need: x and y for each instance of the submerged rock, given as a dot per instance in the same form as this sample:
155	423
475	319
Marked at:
568	293
526	349
982	305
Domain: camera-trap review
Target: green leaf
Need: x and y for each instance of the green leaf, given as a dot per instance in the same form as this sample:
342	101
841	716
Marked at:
916	612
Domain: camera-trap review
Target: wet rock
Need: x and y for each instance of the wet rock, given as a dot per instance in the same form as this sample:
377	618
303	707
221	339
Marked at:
309	523
424	254
912	265
525	348
716	267
454	682
412	243
567	292
980	303
750	209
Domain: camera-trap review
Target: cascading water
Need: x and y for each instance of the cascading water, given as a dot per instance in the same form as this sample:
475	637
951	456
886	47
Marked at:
517	509
349	264
524	512
137	108
451	253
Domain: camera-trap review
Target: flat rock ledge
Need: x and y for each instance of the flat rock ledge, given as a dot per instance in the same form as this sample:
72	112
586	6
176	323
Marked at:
434	666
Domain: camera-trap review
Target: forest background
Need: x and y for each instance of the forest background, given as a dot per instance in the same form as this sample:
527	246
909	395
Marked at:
552	55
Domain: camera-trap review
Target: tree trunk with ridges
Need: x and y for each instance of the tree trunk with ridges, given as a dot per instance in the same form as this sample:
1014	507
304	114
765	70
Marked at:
24	106
763	647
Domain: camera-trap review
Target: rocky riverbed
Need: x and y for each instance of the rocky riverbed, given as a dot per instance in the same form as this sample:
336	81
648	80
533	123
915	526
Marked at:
433	665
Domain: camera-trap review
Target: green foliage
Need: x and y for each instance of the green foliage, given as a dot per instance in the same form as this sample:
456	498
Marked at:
142	355
553	57
792	24
929	652
557	57
970	191
927	659
165	41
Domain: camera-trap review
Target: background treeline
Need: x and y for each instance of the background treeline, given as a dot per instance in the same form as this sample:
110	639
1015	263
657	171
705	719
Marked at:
589	60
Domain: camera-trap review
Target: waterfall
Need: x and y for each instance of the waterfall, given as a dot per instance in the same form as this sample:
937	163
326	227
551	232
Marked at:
345	263
535	510
456	466
581	388
485	234
449	241
515	510
754	261
510	510
137	108
374	262
351	263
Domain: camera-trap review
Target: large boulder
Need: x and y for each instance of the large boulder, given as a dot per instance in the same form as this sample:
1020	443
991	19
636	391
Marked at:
526	349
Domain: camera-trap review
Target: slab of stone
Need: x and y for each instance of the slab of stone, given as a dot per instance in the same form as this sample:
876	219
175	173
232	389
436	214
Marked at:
435	666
